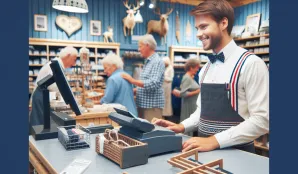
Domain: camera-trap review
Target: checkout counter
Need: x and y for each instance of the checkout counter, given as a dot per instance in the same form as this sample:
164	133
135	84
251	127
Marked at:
49	156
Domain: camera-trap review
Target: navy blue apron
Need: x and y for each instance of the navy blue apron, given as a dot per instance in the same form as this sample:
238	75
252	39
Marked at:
36	115
219	105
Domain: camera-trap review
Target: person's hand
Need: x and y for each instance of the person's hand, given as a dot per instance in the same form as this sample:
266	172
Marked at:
127	77
198	91
177	128
176	92
203	144
134	91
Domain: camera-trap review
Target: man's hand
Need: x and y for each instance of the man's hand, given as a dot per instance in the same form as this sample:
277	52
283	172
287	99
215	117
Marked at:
203	144
177	128
133	81
134	91
127	77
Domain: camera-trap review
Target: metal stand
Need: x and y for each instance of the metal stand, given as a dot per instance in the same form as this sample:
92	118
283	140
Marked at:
47	130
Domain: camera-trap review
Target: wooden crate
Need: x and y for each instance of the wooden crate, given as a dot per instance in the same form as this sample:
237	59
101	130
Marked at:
94	118
126	156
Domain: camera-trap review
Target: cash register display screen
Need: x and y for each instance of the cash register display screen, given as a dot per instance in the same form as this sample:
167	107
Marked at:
126	113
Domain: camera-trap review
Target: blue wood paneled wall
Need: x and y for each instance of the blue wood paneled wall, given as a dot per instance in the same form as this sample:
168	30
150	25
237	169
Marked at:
242	12
111	12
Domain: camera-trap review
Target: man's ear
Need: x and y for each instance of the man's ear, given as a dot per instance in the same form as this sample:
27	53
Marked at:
224	24
68	55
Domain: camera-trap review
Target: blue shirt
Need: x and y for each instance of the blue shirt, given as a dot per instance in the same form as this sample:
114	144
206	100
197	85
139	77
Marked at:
119	91
152	94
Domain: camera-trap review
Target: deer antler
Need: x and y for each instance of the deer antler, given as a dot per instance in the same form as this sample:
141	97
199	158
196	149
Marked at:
169	12
157	11
137	7
126	4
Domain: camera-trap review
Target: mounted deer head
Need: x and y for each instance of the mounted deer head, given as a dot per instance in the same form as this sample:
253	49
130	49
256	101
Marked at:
161	27
163	17
129	21
129	11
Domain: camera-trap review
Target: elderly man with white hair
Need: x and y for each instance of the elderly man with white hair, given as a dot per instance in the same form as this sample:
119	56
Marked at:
67	58
117	90
150	95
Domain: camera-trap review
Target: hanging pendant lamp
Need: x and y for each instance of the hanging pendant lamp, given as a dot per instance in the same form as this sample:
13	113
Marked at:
138	17
75	6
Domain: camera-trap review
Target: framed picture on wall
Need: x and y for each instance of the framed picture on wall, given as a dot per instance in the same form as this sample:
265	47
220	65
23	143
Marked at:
95	28
40	22
252	23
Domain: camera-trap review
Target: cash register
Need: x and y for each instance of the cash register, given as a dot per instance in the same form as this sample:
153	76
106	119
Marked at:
159	139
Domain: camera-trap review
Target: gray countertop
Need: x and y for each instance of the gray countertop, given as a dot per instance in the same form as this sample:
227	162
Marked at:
235	161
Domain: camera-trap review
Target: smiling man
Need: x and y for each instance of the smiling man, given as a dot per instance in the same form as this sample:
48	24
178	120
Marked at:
233	106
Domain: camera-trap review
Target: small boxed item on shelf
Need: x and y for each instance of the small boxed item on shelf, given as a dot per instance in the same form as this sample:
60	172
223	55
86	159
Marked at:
36	61
43	53
52	53
36	52
43	60
266	49
121	149
74	137
36	71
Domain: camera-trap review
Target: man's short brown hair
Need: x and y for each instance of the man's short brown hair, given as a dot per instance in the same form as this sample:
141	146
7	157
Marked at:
218	9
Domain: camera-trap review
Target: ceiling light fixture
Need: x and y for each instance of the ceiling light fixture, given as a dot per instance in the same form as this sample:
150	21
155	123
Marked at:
75	6
152	4
142	2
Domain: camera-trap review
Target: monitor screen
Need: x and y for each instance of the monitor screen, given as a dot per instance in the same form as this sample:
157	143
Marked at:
126	113
64	87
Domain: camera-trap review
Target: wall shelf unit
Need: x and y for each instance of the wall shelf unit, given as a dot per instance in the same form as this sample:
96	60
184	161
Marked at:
180	54
259	45
251	37
43	50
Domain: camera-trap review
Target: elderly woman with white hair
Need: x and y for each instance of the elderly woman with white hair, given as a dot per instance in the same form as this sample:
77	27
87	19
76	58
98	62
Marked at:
117	90
167	87
150	95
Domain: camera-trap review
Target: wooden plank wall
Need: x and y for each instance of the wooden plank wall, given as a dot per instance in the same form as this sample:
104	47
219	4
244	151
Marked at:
242	12
109	12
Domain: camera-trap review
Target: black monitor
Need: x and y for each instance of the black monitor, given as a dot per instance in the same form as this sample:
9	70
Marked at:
126	113
64	87
41	124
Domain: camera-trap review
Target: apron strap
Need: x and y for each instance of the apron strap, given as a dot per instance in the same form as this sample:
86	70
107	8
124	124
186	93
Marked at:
205	72
235	78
